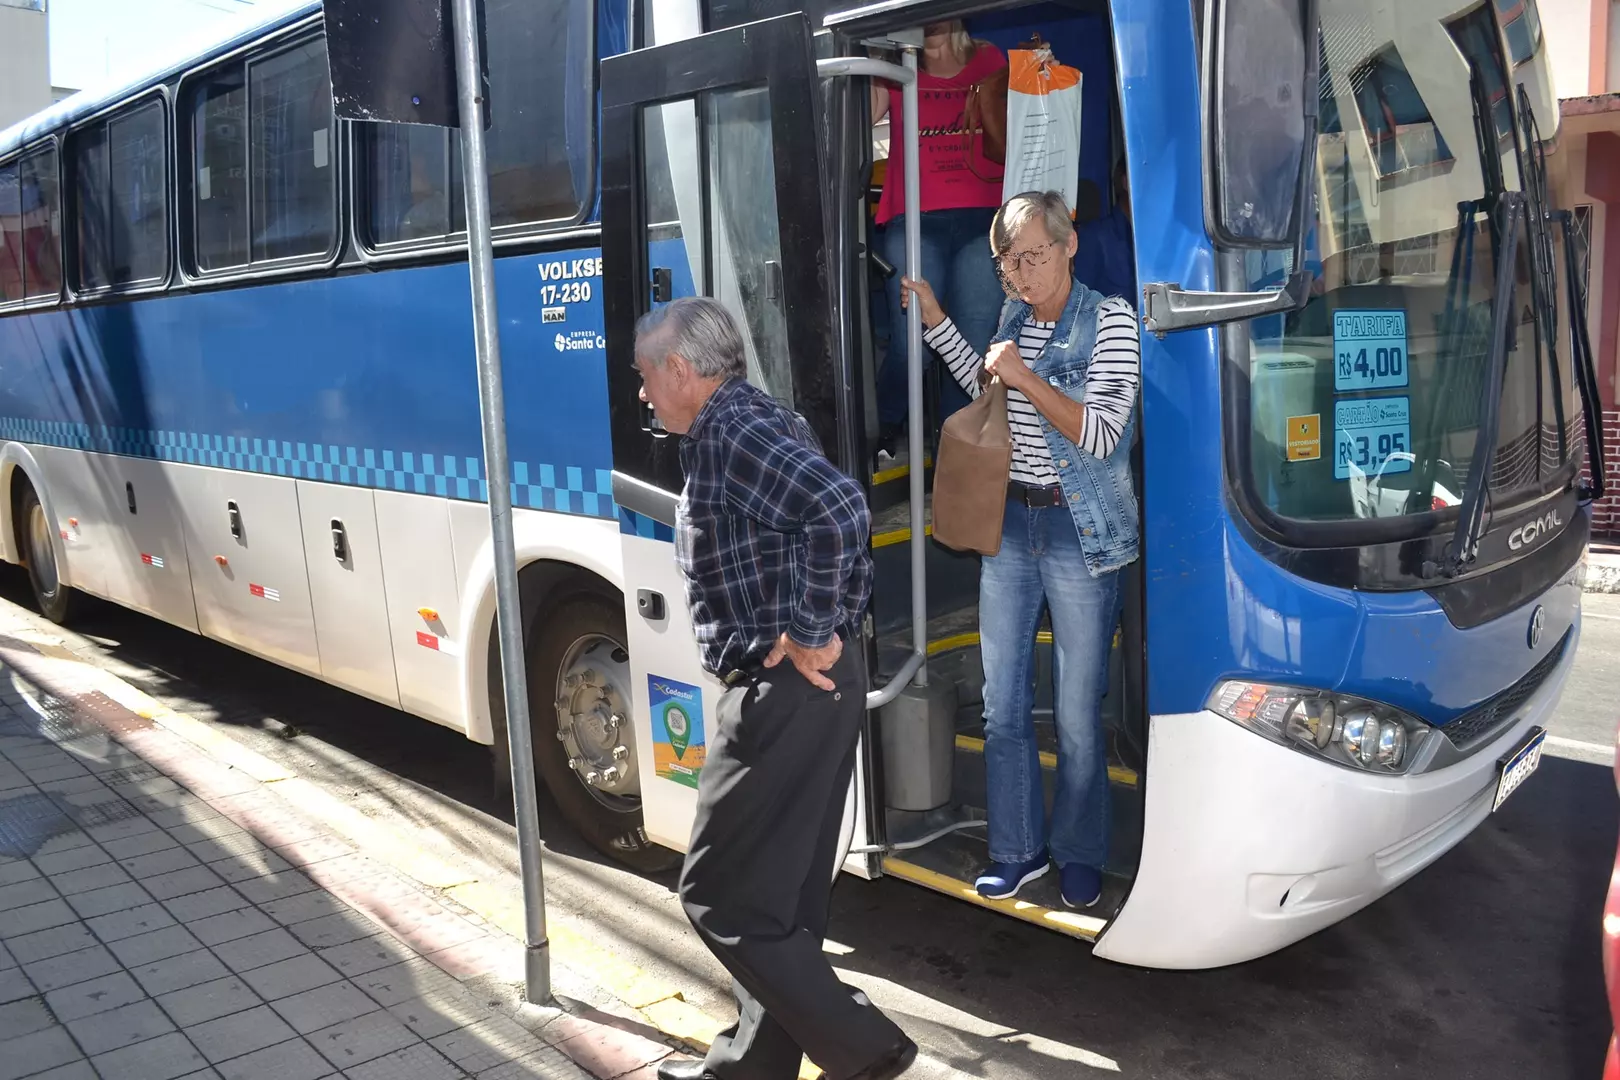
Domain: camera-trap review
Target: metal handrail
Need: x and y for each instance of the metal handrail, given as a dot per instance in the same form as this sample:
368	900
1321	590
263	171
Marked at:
915	669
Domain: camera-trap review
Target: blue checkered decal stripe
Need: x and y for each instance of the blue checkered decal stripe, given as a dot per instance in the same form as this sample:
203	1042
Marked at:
571	489
634	524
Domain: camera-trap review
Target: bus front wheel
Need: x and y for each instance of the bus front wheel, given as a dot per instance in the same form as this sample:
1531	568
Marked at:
39	556
584	741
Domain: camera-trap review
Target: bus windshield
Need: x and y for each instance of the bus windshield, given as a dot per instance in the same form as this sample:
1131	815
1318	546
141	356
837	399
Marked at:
1366	403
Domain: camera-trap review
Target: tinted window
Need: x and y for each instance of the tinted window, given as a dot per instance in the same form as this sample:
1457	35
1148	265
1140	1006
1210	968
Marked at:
219	163
40	218
416	184
293	209
538	143
11	230
263	160
122	226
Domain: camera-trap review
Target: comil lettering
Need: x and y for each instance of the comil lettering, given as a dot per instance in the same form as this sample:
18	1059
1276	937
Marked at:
1534	531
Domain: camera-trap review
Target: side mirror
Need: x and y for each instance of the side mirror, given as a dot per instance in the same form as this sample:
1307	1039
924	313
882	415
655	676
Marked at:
1261	69
1261	94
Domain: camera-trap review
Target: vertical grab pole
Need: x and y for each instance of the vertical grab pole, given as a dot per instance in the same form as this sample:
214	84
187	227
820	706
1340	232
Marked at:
492	409
919	518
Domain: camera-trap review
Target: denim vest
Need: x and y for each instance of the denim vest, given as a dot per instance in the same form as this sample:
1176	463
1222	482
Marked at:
1098	490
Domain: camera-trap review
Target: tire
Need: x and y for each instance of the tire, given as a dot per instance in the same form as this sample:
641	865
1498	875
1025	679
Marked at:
583	635
34	532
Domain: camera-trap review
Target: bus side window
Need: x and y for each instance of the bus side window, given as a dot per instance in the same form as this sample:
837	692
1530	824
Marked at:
293	199
11	269
41	256
539	142
269	119
30	265
121	217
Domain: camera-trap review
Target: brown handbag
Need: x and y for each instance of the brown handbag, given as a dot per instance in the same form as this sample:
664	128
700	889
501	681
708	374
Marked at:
970	474
985	117
985	114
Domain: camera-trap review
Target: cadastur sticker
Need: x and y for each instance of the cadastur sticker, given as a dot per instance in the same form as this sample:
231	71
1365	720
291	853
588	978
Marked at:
1305	437
677	728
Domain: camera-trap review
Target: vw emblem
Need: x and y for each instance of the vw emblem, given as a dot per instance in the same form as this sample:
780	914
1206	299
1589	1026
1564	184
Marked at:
1538	623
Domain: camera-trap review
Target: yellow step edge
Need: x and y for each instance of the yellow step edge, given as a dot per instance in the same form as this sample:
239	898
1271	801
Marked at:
1086	927
895	472
1119	774
970	639
897	536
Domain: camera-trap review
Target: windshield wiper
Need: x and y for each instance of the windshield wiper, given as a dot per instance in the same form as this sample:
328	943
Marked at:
1580	343
1511	212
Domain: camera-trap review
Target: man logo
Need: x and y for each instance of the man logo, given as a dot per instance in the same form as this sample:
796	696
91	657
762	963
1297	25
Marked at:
1538	623
1532	533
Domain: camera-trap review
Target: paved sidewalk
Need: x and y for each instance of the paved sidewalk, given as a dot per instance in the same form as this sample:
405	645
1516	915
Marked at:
1603	569
165	915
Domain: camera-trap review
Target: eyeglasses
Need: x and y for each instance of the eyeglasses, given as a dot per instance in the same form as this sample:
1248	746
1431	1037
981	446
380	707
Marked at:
1033	258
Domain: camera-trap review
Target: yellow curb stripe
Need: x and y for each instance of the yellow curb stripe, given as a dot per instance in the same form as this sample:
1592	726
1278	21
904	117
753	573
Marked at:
682	1021
1064	922
217	744
375	840
624	980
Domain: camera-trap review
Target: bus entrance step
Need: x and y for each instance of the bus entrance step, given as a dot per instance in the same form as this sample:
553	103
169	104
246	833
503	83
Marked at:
949	865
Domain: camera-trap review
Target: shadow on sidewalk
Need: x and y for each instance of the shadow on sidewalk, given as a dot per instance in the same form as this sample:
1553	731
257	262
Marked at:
176	912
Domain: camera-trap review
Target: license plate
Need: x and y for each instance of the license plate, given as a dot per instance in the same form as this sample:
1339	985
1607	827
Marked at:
1517	766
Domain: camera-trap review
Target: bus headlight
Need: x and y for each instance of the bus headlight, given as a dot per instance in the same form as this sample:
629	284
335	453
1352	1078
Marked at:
1348	731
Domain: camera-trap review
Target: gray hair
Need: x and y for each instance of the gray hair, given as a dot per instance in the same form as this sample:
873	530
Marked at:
1047	207
698	329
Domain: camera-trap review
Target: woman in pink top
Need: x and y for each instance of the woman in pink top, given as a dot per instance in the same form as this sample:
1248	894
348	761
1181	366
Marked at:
960	194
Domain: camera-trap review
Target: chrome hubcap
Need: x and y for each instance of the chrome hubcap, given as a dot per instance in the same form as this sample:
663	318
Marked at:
41	552
593	720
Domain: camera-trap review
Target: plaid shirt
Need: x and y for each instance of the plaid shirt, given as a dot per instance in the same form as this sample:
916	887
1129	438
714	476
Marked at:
770	537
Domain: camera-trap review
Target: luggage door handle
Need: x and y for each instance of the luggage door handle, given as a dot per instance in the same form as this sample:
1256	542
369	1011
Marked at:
340	542
235	515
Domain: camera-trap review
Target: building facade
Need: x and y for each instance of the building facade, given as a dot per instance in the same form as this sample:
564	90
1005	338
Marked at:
25	78
1584	168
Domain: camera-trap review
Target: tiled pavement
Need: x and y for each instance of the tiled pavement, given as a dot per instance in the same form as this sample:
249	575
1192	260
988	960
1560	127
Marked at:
163	915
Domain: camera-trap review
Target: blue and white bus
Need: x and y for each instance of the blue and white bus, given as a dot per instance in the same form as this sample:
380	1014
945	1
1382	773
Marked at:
237	392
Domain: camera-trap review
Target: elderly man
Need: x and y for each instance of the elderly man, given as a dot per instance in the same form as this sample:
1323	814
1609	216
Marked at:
772	541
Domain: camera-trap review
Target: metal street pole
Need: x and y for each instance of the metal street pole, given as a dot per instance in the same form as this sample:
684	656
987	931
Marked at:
492	406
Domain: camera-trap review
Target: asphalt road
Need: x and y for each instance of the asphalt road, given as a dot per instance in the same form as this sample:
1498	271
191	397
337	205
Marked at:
1483	966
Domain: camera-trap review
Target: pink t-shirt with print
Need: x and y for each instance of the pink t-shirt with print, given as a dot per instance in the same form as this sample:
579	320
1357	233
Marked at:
946	181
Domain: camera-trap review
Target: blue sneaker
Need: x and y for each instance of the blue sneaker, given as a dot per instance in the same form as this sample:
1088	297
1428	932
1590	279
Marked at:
1000	880
1081	886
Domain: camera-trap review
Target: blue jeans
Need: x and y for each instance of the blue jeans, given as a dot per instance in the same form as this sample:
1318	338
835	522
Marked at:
1039	566
956	262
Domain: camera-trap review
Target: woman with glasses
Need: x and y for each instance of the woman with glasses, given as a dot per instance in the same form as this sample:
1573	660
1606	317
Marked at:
1070	359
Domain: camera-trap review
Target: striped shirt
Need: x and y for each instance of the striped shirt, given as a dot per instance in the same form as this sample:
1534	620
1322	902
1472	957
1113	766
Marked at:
1111	384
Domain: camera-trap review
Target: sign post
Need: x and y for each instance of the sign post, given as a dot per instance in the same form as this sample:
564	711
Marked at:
388	60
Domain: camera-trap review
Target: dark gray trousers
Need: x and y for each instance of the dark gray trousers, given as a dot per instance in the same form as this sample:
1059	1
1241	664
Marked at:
758	878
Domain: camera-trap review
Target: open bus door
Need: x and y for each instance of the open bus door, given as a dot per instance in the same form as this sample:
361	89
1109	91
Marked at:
711	185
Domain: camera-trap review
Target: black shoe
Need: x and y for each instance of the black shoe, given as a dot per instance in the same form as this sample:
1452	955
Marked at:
683	1069
895	1061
